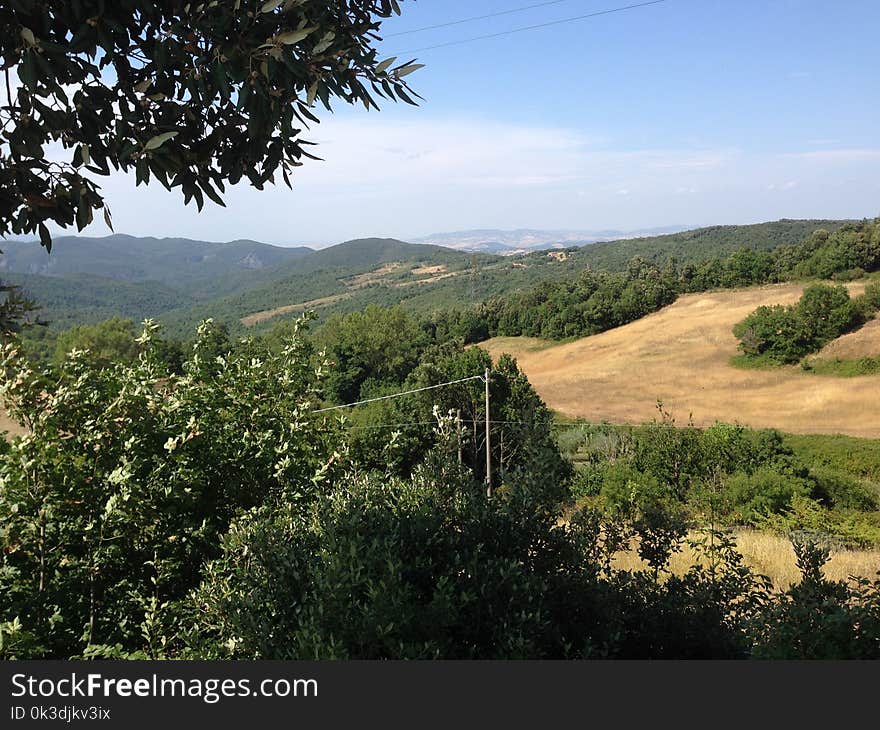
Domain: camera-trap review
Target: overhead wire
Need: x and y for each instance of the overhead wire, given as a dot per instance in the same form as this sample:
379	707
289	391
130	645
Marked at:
531	27
498	14
397	395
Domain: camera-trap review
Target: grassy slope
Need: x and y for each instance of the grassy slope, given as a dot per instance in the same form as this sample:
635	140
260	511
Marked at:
681	356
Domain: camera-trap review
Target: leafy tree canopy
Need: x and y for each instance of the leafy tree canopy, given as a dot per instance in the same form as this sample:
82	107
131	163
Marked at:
193	94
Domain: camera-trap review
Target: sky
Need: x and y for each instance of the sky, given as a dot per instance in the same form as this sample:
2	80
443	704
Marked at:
685	112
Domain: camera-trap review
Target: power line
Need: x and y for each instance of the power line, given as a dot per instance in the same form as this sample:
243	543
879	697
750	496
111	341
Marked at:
476	17
397	395
531	27
469	421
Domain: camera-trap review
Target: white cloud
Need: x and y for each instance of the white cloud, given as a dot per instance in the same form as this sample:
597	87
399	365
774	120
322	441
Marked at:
864	154
789	185
383	175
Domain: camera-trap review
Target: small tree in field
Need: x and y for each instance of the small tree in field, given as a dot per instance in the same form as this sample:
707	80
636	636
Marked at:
193	94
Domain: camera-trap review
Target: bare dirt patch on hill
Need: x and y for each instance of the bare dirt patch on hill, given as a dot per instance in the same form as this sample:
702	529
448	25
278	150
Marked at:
429	270
376	276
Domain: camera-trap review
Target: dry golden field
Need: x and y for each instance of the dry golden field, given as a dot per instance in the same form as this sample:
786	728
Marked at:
681	356
861	343
8	425
773	556
258	317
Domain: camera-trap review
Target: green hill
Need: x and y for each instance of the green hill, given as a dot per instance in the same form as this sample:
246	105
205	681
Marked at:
328	280
351	274
75	299
202	268
700	244
183	281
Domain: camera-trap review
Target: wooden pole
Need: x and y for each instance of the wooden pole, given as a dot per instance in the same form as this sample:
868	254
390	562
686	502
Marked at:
458	432
501	452
488	442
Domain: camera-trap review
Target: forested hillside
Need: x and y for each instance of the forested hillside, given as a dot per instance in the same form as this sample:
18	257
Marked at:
598	300
349	275
700	244
74	299
202	267
246	284
470	279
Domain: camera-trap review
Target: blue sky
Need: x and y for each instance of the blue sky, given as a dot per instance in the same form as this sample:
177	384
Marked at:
685	112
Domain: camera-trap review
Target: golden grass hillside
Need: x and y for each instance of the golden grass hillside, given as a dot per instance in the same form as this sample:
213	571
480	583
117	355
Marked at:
681	356
773	556
864	342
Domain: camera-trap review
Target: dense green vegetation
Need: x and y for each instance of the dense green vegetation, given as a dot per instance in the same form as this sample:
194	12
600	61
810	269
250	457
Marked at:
699	245
731	475
600	300
212	513
182	282
66	301
843	368
199	268
595	302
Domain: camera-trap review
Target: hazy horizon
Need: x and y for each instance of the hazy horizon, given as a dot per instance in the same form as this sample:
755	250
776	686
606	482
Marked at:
94	231
676	113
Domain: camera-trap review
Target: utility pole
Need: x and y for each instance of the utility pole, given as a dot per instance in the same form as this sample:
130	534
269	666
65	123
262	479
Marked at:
501	453
488	442
458	433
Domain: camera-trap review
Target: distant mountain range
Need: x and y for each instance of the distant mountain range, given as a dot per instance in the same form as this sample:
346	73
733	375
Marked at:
176	262
250	284
523	240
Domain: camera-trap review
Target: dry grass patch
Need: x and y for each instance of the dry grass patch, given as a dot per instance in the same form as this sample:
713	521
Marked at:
429	270
864	342
773	556
430	279
373	277
11	427
258	317
681	356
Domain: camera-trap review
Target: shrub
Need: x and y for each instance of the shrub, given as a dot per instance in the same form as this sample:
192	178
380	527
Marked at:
785	334
750	496
843	529
128	475
818	618
428	568
838	490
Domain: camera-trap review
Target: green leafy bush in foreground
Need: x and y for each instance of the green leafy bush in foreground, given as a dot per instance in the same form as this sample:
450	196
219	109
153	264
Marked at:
129	475
212	514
